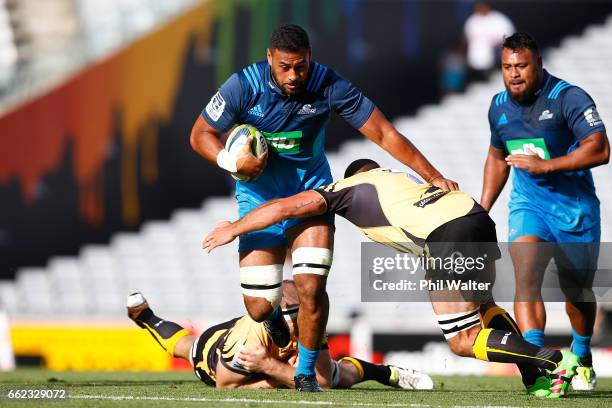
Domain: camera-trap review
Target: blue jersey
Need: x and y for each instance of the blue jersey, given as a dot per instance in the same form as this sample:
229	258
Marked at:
293	126
295	130
553	125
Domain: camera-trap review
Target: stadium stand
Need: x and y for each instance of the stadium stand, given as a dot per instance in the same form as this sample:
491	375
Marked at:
42	43
164	259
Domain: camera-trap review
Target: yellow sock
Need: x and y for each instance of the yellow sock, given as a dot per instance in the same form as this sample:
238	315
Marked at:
356	363
168	344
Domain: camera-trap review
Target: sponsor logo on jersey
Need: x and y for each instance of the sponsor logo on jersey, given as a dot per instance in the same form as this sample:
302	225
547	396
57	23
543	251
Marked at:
527	146
256	111
503	120
284	142
431	195
306	110
546	115
215	107
592	117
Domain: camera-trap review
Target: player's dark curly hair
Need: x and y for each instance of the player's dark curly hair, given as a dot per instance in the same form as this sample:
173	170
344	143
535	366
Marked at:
360	165
290	37
519	41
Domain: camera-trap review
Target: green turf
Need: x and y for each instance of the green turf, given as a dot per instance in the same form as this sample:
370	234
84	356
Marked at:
182	389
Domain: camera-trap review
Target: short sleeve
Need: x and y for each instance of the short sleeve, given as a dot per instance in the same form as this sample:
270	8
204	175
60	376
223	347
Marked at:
581	114
223	109
338	201
258	335
349	102
496	141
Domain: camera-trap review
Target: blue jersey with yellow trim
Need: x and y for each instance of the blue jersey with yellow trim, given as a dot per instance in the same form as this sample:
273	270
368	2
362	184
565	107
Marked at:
293	126
553	125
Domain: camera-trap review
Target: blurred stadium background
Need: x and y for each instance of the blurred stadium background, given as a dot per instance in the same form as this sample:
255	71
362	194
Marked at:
100	192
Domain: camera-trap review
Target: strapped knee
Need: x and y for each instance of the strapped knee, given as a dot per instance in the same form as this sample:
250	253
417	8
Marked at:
263	282
454	323
312	260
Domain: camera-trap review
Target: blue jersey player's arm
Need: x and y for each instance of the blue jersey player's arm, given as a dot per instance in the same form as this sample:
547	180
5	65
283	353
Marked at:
361	113
591	148
219	116
496	169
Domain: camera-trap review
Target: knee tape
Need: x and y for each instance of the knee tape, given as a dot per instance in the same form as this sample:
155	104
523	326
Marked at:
335	374
263	282
453	323
312	260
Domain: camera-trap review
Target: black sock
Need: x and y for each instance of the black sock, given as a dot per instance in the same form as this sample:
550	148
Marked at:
166	333
369	371
507	347
498	318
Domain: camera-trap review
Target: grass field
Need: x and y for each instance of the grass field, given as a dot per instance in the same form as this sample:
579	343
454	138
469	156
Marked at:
182	389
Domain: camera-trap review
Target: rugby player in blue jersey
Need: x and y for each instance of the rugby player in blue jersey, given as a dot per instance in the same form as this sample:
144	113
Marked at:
550	132
290	98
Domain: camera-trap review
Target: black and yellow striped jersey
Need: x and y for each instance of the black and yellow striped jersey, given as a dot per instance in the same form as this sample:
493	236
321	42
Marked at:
394	208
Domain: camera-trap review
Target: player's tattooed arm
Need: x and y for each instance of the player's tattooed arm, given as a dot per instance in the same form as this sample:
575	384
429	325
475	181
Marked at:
379	130
305	204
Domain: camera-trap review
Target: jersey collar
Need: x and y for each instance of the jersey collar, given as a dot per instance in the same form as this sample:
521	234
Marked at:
546	81
271	83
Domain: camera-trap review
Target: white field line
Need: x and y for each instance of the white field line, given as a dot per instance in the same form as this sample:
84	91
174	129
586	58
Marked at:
270	401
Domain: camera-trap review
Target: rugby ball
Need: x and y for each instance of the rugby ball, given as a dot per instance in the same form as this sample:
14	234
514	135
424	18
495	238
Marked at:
238	138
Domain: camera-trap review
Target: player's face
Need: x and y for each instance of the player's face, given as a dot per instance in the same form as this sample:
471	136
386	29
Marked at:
522	72
289	69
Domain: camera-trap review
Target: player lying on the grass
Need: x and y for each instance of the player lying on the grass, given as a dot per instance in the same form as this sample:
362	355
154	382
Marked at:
399	210
240	353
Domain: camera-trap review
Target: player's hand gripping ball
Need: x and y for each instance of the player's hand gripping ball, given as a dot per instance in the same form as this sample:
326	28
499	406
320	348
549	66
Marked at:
250	159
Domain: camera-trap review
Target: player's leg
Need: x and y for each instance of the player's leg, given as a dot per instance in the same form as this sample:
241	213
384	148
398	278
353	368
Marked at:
534	378
311	245
262	256
172	337
352	370
460	323
529	265
577	263
261	275
528	233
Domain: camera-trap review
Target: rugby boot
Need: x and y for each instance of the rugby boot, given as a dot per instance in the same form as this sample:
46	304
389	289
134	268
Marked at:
136	305
409	379
540	388
277	328
585	378
307	383
561	377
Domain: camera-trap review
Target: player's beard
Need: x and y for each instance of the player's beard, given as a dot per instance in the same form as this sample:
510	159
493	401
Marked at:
525	97
295	91
528	95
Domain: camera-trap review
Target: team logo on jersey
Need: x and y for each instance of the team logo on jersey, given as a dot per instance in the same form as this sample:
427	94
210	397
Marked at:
215	107
306	110
546	115
503	120
528	146
256	111
284	142
592	117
